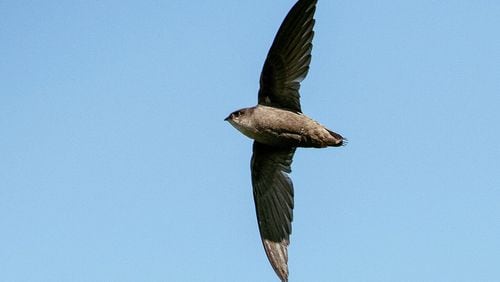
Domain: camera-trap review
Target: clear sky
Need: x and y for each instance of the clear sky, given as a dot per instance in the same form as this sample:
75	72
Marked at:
116	164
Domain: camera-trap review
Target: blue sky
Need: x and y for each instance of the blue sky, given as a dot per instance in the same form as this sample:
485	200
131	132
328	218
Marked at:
116	164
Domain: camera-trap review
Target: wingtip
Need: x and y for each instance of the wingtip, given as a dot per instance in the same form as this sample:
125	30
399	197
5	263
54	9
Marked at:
277	253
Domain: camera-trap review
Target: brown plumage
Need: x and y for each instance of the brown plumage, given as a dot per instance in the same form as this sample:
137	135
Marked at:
282	128
278	127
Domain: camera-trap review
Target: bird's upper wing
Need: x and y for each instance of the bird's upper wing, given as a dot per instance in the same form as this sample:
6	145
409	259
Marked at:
287	62
273	196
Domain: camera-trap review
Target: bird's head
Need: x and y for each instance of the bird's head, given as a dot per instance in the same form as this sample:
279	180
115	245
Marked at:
243	121
237	116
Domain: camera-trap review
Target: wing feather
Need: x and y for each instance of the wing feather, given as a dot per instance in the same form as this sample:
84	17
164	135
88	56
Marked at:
273	196
287	62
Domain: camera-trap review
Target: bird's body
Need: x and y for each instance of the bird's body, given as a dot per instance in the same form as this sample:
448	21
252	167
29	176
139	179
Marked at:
278	127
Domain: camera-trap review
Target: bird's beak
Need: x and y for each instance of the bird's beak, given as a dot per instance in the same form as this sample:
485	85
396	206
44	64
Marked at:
226	119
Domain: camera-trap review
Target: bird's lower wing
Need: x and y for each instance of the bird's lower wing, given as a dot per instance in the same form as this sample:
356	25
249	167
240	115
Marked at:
273	196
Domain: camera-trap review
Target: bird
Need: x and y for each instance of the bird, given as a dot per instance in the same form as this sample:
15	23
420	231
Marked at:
278	126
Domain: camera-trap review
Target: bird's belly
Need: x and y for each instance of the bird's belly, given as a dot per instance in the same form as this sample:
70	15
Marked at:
282	132
291	129
269	135
291	139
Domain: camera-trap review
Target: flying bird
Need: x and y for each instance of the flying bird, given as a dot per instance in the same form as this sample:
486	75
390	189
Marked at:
278	126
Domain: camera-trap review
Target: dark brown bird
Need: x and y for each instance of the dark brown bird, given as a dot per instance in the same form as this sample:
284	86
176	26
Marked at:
278	127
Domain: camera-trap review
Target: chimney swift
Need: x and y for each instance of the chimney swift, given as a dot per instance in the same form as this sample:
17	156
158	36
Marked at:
278	127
